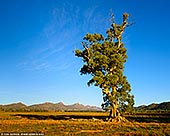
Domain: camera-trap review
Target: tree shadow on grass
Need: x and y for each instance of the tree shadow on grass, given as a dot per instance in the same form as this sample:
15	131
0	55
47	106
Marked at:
60	117
136	118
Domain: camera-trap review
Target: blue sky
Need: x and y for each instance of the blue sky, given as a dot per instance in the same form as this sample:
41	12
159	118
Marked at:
38	37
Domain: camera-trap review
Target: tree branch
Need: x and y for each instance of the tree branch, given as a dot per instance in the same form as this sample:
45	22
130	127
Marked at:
88	53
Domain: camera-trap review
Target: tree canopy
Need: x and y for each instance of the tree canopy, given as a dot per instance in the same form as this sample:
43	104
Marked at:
104	59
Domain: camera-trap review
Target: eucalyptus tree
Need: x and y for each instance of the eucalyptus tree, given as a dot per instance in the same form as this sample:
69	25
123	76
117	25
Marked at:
104	59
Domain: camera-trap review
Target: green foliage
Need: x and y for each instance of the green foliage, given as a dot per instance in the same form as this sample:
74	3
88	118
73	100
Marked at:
104	59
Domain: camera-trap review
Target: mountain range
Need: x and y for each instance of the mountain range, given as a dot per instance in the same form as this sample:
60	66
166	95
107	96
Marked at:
47	106
154	106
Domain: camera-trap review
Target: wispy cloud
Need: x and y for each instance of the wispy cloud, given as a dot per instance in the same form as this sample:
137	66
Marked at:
62	32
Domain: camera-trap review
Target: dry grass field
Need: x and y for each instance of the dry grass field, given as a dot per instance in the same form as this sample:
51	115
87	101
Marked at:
74	123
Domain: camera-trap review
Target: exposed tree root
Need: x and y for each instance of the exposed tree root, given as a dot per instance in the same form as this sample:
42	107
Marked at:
118	119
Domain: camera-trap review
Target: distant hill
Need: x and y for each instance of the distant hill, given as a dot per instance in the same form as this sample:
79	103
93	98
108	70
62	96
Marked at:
155	107
14	107
47	106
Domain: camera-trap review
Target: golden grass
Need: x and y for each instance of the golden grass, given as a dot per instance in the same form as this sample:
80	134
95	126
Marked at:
11	123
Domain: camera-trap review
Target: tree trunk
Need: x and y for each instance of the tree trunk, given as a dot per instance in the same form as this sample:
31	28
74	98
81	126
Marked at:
115	116
114	111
